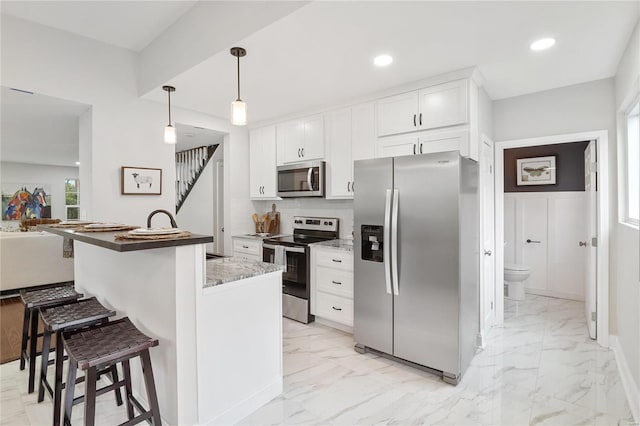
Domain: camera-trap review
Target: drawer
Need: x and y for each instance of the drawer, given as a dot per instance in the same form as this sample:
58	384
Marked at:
335	281
334	308
241	245
338	259
247	257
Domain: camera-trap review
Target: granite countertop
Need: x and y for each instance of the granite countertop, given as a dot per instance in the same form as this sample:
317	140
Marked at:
340	244
228	269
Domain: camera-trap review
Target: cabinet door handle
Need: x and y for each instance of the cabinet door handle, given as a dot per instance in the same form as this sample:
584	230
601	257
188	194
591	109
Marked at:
414	149
302	151
582	243
529	241
353	186
421	119
245	246
348	186
420	148
299	154
414	120
337	309
336	260
337	282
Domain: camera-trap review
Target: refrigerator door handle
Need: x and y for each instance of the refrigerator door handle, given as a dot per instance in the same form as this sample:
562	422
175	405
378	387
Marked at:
387	237
394	243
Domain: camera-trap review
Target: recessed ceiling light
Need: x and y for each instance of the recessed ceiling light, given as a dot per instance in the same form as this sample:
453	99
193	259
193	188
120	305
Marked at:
382	60
77	163
542	44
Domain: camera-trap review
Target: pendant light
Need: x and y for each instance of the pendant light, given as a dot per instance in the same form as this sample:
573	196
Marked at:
169	131
238	108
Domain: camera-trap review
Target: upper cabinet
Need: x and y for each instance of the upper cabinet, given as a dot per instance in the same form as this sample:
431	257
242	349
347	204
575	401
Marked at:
300	140
350	137
429	108
262	163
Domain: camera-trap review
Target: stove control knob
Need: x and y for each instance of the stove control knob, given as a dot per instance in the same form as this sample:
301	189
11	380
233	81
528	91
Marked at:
330	223
326	223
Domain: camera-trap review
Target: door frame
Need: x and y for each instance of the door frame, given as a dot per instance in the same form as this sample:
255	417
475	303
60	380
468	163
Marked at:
602	277
484	327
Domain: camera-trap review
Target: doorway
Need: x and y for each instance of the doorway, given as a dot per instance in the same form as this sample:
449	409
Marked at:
601	208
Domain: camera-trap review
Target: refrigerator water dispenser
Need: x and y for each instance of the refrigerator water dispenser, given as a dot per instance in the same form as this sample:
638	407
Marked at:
372	242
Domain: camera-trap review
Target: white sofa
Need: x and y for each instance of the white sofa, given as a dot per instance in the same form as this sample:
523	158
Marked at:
30	259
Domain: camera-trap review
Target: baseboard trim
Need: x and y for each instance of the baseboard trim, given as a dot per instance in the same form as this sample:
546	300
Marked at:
243	408
556	294
628	382
334	324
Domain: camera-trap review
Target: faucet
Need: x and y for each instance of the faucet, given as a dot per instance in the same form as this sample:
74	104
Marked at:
173	221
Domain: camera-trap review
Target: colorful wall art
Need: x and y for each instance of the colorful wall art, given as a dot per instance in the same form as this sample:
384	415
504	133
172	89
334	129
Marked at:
19	202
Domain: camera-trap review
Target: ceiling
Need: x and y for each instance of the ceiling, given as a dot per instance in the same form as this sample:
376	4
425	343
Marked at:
39	129
128	24
188	137
321	55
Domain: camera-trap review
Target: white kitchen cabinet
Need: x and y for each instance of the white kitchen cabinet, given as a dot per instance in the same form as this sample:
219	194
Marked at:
423	143
300	140
332	286
398	114
350	137
262	163
247	248
443	105
429	108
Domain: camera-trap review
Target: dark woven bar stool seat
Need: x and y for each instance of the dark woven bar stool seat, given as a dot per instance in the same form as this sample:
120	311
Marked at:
103	346
32	300
68	317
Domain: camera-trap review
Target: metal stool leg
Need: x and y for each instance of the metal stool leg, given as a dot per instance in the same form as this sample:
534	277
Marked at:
46	345
57	385
68	400
33	349
90	397
25	337
151	387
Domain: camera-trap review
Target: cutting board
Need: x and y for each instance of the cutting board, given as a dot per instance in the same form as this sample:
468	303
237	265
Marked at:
273	221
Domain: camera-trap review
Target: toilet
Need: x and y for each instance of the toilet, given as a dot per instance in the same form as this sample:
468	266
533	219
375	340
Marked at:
514	277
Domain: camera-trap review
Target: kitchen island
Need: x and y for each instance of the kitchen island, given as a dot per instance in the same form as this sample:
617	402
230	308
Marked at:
219	322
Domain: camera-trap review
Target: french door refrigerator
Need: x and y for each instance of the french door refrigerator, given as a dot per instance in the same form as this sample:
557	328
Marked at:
416	226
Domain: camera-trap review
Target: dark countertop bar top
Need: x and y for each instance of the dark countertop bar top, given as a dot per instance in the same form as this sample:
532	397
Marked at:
108	241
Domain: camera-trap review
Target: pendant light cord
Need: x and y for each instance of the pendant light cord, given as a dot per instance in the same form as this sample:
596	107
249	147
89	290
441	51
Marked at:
169	94
238	57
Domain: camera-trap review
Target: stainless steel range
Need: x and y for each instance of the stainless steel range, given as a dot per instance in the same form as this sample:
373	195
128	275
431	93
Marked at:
292	251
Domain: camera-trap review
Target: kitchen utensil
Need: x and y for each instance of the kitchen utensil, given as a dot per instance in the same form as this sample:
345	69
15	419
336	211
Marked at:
255	218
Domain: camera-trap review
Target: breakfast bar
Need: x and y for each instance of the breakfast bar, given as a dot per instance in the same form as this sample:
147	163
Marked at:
213	319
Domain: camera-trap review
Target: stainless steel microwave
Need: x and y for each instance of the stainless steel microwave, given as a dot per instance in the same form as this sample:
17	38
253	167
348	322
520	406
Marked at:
301	180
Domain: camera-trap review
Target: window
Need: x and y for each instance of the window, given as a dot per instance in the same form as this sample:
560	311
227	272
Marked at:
72	198
632	207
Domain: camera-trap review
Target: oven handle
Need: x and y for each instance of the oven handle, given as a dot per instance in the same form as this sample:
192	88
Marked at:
291	249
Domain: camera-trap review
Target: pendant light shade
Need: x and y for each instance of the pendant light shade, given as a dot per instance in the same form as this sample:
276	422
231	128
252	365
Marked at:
169	131
238	107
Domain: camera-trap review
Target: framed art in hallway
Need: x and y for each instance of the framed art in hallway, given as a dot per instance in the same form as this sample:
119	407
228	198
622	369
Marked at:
536	171
140	181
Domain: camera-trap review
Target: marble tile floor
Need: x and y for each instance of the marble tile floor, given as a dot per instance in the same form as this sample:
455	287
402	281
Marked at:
541	368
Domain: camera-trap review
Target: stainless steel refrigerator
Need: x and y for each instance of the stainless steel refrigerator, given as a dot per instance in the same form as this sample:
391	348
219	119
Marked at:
416	225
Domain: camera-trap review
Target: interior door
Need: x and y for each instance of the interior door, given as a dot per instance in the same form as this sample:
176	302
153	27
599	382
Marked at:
590	187
488	235
531	239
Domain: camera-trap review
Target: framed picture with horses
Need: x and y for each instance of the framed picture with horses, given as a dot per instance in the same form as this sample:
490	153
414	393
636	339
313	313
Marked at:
140	181
25	201
536	171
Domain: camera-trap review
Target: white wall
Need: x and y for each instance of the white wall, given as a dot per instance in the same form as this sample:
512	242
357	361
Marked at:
125	130
32	174
627	276
314	207
572	109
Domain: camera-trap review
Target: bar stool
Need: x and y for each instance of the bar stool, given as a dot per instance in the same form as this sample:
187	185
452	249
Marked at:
63	318
102	346
32	300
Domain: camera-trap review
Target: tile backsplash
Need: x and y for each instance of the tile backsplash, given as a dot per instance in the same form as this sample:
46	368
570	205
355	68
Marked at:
315	207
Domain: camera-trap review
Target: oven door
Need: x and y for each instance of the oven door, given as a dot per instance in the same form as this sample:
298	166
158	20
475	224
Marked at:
294	278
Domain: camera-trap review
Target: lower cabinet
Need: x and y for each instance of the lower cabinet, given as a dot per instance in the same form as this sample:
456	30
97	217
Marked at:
332	285
247	248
